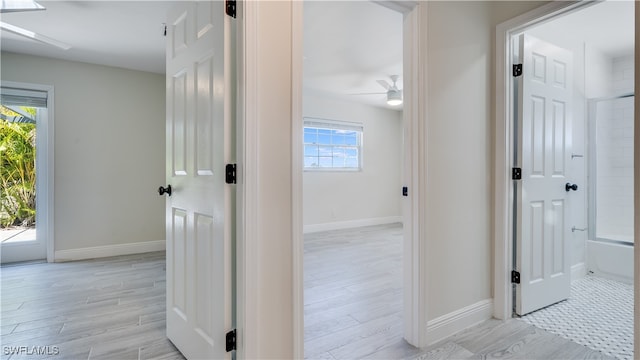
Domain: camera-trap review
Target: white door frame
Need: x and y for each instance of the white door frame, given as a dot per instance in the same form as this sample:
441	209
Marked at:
44	164
414	60
503	211
249	207
636	205
414	118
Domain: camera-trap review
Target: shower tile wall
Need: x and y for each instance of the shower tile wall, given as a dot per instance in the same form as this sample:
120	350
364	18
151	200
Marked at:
623	75
615	157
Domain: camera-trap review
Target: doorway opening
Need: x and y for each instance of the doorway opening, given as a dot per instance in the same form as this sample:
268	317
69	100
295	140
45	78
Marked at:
352	178
598	226
25	213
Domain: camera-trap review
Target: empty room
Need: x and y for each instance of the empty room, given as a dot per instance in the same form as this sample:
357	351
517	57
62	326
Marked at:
321	180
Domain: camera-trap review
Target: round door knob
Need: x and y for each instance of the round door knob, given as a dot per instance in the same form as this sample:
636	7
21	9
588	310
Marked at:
164	190
570	186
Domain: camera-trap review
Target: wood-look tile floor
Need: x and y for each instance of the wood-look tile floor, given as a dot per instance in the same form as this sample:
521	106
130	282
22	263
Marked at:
111	308
353	307
114	308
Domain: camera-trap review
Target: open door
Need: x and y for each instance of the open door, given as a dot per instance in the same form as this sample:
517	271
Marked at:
199	205
543	150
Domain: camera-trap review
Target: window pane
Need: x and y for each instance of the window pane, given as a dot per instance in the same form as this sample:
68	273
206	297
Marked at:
310	138
327	147
351	139
326	162
310	150
324	139
310	161
326	151
338	140
339	152
339	162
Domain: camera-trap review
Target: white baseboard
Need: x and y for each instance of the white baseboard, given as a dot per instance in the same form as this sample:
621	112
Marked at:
454	322
339	225
109	250
578	271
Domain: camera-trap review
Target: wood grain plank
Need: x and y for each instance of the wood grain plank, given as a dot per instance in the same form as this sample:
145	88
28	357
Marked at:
111	308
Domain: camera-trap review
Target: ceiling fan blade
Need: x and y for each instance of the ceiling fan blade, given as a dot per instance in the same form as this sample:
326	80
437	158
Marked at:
34	36
384	84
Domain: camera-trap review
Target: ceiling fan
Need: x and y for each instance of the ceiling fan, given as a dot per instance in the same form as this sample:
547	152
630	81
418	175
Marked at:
394	95
9	6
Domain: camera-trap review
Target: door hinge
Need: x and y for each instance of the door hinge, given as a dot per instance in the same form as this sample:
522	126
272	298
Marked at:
405	191
517	70
231	341
515	277
230	174
516	173
230	8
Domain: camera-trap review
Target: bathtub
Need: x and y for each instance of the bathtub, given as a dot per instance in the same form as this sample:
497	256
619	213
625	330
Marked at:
611	260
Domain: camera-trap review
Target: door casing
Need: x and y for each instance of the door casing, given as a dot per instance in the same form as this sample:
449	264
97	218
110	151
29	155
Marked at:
415	309
503	211
45	165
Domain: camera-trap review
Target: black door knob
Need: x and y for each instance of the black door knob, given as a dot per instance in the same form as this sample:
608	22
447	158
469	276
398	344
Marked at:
167	190
570	186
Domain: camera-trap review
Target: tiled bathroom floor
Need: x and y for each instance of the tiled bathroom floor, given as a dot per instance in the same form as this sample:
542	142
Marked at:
599	315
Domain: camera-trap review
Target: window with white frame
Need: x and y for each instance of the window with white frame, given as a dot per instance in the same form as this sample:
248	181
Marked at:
332	145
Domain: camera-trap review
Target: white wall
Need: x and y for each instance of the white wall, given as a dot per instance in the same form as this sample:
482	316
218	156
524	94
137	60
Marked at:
367	197
460	144
458	156
109	151
458	236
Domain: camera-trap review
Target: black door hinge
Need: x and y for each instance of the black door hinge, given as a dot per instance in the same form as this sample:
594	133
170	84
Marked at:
230	174
405	191
515	277
516	173
231	341
230	8
517	70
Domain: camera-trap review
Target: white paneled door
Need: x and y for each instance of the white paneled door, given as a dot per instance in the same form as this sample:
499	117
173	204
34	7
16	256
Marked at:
199	208
544	152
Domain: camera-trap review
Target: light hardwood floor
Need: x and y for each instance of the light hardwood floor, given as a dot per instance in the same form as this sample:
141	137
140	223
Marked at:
112	308
353	307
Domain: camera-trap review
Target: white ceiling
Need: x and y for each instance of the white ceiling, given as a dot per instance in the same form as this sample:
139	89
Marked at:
348	45
127	34
607	26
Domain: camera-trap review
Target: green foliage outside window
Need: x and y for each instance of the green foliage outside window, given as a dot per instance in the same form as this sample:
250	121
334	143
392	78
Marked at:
17	171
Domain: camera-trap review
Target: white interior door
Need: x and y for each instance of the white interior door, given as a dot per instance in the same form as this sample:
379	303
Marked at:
544	142
199	211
